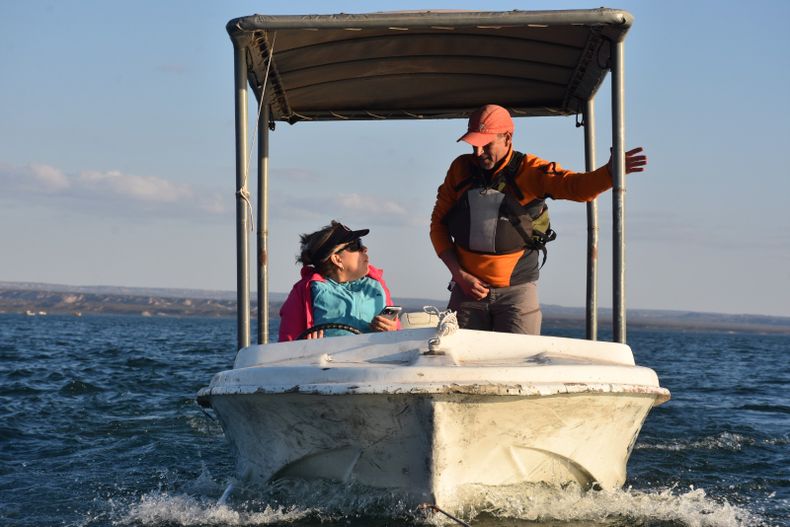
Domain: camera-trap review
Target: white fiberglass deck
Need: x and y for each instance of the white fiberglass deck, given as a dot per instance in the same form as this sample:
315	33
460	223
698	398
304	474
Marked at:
465	362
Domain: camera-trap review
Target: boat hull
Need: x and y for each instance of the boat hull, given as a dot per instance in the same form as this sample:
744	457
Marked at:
428	446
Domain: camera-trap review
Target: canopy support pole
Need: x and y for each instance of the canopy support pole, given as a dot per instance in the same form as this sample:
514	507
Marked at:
263	225
242	199
618	192
592	226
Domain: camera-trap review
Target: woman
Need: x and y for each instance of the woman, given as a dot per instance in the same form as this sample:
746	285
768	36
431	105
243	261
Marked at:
338	285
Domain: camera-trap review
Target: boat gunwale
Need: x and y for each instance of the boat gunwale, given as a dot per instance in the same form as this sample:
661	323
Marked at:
495	390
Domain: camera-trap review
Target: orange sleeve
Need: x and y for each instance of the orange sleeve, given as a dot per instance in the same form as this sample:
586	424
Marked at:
446	197
543	179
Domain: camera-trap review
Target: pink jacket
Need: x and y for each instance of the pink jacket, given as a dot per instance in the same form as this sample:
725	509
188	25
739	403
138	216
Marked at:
296	314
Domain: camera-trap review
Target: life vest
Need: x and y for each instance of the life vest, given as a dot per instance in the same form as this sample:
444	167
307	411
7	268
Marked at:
489	218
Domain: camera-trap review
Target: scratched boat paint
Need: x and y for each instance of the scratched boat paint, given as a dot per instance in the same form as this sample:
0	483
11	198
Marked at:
426	412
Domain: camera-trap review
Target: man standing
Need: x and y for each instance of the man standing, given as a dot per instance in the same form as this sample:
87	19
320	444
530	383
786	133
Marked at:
490	223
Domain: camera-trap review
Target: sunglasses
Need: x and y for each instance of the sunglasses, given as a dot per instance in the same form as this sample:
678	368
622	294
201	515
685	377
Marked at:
353	246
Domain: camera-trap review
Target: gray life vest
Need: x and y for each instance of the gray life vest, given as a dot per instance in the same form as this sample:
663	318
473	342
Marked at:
489	219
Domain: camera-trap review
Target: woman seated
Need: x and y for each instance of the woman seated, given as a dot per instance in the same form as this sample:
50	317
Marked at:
338	285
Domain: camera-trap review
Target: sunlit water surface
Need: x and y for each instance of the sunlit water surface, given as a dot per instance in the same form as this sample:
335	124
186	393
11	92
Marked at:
99	427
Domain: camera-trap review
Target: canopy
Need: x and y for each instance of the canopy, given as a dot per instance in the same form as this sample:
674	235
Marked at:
414	65
426	65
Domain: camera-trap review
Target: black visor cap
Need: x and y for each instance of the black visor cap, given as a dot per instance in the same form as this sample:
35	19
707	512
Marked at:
340	235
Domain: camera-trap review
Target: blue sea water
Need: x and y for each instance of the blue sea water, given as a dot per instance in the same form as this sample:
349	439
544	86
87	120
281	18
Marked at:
99	427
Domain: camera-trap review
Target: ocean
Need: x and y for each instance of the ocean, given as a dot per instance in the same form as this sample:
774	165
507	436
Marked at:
99	427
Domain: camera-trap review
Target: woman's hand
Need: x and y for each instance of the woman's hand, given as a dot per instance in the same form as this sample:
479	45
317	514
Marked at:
315	334
380	323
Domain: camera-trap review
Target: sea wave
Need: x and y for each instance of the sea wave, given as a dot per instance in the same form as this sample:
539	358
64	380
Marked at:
767	408
668	506
723	441
164	509
539	505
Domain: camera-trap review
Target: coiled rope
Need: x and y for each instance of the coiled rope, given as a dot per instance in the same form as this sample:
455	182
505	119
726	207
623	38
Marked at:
448	324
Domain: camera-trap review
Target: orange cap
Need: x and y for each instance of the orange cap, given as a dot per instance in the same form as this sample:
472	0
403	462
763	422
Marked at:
485	123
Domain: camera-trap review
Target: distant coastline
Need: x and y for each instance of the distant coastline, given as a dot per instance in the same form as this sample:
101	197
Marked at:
37	299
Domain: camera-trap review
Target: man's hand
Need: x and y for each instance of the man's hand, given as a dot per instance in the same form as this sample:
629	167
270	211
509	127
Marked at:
471	285
635	161
380	323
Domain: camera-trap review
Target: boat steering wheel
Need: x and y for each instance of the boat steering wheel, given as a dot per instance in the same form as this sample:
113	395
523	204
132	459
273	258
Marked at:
328	325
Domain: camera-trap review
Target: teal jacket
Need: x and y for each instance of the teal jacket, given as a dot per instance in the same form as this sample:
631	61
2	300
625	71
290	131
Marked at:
296	314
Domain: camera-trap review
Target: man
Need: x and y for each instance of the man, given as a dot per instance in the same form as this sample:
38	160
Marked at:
490	224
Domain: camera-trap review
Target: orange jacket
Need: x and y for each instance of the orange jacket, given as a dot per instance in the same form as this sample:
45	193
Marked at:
536	178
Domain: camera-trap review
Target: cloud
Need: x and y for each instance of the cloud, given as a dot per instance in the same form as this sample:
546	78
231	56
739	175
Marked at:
353	208
140	188
96	190
212	203
301	194
49	177
359	203
36	177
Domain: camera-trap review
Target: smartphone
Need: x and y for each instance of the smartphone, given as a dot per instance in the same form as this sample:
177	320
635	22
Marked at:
390	312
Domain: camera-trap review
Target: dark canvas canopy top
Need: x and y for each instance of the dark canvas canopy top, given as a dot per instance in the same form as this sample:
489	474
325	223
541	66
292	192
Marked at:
428	64
425	65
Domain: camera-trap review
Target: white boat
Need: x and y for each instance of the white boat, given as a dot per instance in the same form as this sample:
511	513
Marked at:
427	416
428	411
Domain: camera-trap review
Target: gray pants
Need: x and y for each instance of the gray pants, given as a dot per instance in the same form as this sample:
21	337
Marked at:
513	309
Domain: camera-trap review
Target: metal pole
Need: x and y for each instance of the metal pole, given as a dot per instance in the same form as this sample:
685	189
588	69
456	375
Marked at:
242	196
618	197
263	225
592	226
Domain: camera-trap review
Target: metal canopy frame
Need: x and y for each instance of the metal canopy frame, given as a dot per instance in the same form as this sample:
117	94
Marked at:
425	65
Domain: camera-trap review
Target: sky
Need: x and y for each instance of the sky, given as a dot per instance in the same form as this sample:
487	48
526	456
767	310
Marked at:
117	156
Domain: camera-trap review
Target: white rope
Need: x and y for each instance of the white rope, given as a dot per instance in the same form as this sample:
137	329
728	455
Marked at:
448	324
243	193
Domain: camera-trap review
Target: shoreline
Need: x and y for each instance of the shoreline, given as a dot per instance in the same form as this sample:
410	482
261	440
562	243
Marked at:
41	300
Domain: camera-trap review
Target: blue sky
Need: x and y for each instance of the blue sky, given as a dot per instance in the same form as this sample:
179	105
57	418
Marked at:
116	158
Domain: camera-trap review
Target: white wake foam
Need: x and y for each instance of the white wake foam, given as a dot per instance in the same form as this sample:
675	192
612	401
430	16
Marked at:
187	511
691	508
492	506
